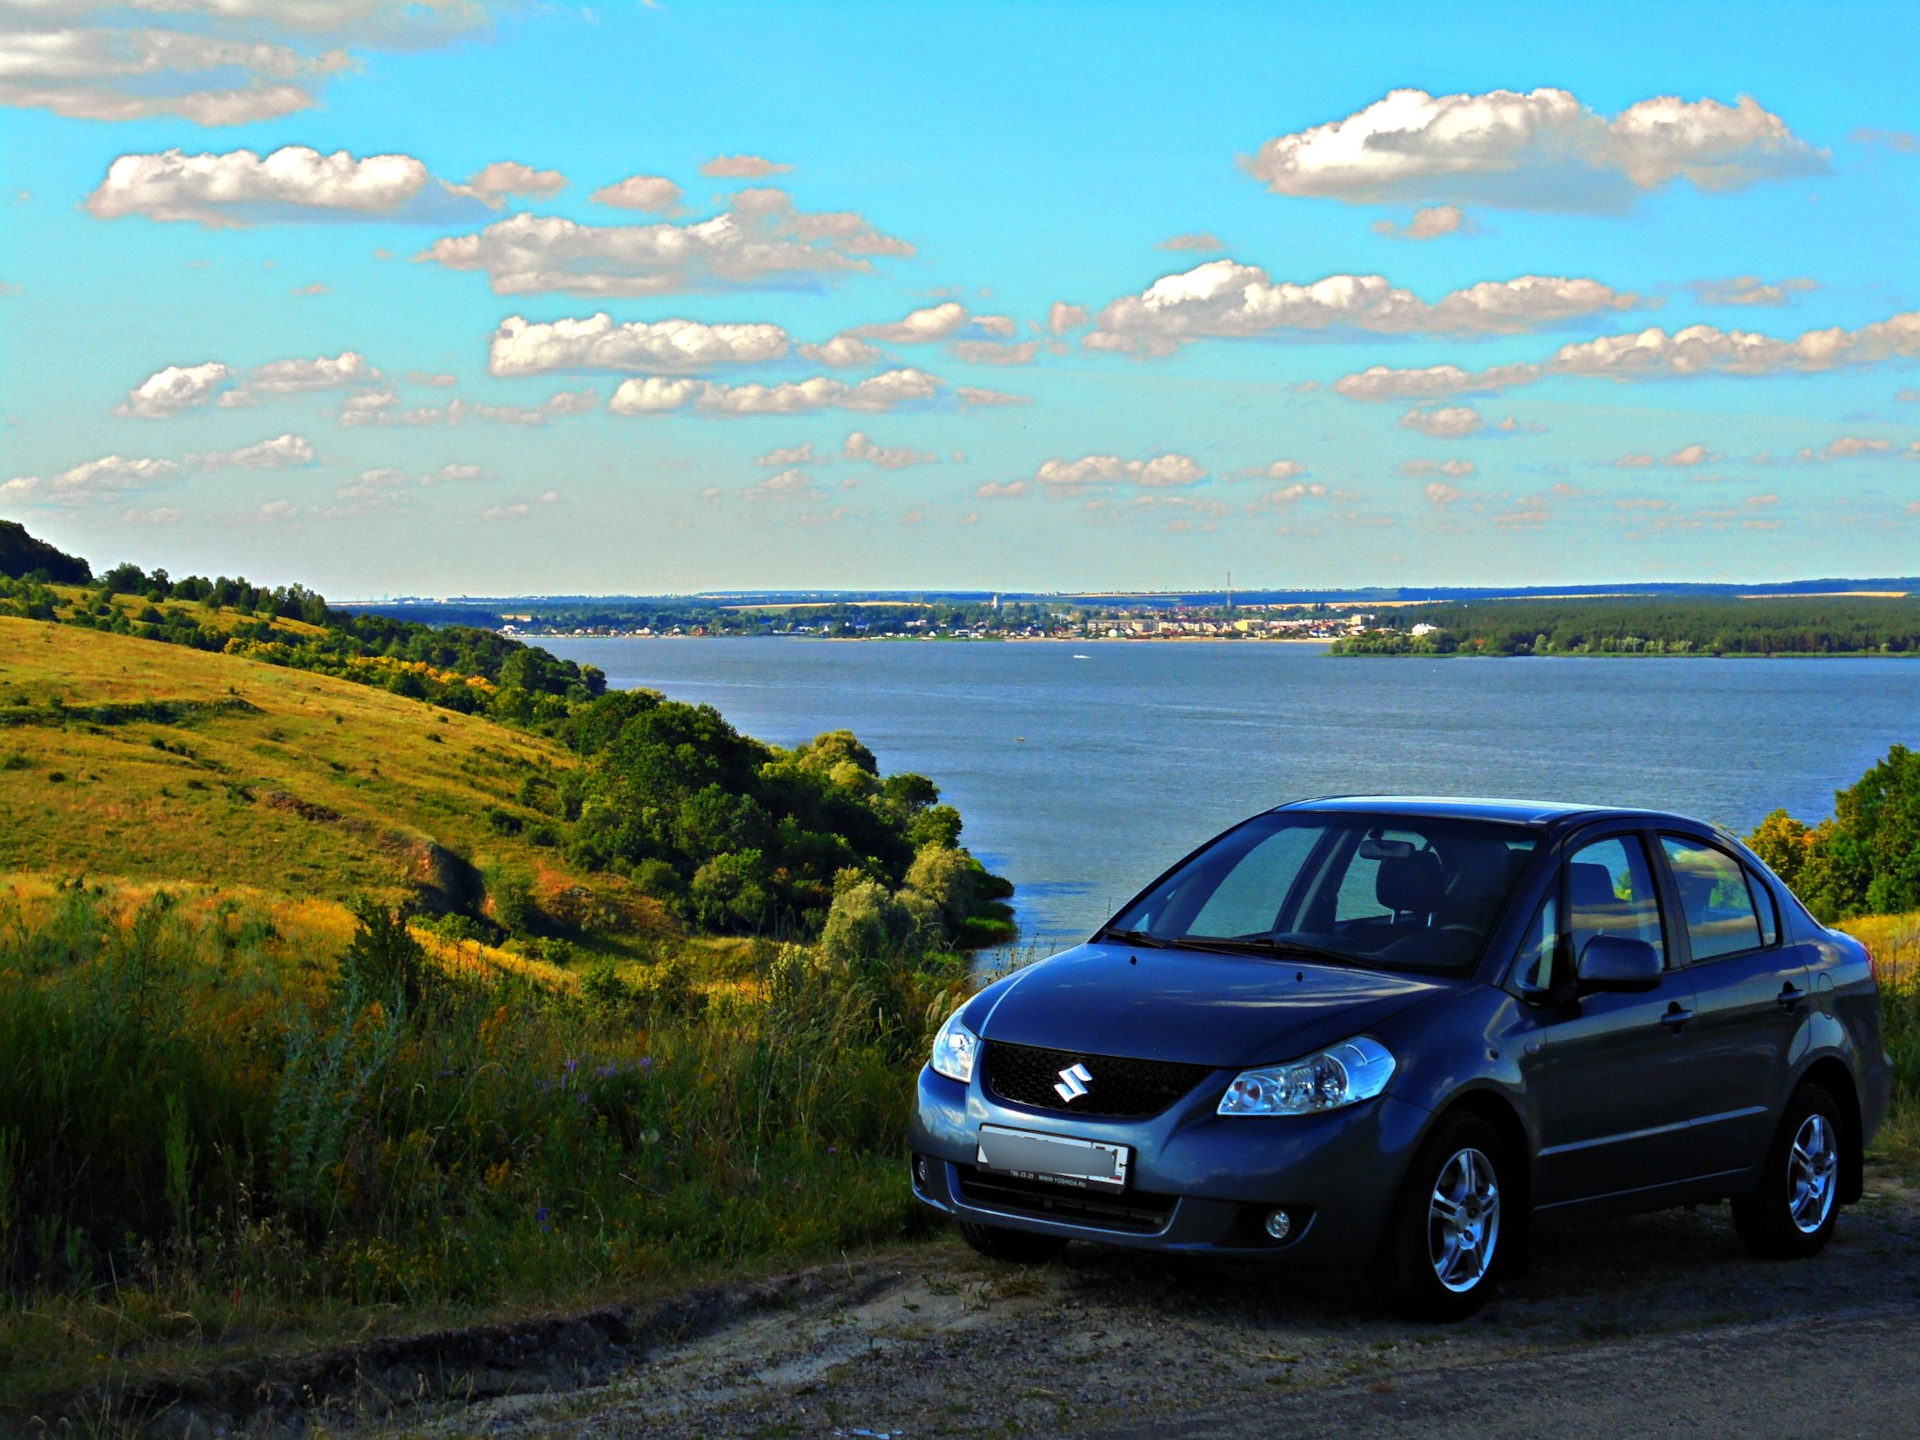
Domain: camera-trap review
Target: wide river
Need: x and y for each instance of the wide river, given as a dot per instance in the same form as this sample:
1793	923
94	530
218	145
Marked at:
1084	770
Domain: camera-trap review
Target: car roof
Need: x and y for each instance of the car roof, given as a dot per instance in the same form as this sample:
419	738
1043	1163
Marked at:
1445	807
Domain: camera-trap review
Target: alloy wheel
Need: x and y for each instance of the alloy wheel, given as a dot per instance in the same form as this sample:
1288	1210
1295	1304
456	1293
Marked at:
1463	1220
1813	1168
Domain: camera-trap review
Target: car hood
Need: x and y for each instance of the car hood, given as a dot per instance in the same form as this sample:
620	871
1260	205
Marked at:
1189	1006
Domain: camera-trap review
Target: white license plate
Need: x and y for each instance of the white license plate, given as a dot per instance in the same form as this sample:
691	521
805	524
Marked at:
1056	1159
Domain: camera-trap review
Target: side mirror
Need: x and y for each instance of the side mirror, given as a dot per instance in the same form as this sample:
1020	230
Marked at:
1615	962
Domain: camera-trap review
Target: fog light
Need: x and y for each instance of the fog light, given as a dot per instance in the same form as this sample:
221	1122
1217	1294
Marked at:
920	1169
1279	1224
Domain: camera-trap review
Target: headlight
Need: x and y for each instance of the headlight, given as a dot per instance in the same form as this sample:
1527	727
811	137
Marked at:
1343	1074
953	1050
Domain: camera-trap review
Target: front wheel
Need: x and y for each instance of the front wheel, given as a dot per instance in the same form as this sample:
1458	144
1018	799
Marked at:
1792	1213
1014	1247
1445	1244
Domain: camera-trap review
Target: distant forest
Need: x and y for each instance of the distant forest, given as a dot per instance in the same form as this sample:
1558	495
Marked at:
1830	625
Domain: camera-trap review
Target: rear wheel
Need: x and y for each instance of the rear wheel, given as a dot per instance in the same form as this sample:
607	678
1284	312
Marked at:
1444	1246
1792	1213
1014	1247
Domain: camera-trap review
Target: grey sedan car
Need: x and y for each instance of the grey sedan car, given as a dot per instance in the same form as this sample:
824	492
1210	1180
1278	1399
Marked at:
1393	1032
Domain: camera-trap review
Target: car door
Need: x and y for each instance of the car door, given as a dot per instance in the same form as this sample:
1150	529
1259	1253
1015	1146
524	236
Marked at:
1616	1092
1750	998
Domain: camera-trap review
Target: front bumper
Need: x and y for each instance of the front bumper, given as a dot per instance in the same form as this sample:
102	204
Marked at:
1199	1183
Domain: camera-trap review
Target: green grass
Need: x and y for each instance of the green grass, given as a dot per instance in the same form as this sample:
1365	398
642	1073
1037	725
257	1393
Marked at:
211	1133
185	766
1895	943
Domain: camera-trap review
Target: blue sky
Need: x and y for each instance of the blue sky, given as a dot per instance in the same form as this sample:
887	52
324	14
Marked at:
357	372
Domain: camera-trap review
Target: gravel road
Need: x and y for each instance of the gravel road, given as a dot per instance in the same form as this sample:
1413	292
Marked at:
1655	1326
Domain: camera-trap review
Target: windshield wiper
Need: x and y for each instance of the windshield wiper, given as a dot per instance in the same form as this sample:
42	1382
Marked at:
1133	937
1272	945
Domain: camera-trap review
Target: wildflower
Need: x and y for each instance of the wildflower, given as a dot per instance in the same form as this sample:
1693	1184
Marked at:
572	1065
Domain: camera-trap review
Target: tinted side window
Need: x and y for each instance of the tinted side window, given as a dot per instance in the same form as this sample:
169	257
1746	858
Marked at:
1763	906
1534	967
1610	892
1714	898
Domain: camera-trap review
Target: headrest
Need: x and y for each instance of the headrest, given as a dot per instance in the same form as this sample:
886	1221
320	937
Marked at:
1592	886
1410	883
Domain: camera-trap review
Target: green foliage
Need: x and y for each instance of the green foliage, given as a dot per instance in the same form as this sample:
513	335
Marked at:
22	556
384	964
1865	860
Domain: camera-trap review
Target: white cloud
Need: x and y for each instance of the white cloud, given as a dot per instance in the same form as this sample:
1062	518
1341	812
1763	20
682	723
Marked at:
1538	150
94	479
165	393
1077	477
316	288
763	238
1448	422
495	182
742	167
1441	493
654	194
1750	290
1201	240
282	452
995	352
293	183
525	347
1003	489
841	351
1849	447
1062	317
786	457
886	391
1901	142
1278	470
376	408
1291	494
936	322
1655	353
1453	469
859	447
971	396
279	510
787	485
1689	456
158	515
1223	299
211	62
1428	223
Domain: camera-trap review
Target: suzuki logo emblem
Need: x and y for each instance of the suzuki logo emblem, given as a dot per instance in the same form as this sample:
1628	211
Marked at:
1074	1081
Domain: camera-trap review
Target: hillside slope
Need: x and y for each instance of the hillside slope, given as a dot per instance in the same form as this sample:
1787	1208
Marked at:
158	762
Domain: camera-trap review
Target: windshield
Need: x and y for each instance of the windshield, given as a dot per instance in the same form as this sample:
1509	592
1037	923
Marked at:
1385	892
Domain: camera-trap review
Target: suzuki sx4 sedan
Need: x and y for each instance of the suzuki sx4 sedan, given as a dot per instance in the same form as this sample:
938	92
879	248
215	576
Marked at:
1391	1032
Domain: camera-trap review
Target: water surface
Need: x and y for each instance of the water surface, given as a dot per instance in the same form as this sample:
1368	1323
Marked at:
1084	770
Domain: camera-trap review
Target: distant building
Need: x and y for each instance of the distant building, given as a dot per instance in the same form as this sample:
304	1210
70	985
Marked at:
1425	629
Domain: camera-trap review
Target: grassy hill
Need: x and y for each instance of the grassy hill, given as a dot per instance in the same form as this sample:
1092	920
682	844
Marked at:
120	757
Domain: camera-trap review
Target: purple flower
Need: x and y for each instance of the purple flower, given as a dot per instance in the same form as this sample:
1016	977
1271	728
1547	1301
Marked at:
572	1065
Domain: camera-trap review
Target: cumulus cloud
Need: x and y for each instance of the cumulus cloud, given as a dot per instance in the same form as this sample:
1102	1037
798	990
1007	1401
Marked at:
1062	317
292	183
787	485
787	456
281	453
889	390
762	239
526	347
936	322
654	194
109	476
1453	469
1750	290
1201	240
996	352
1448	422
1441	493
1092	472
211	62
972	396
1428	223
1541	150
1293	494
899	457
1223	299
1278	470
841	352
1656	353
1848	447
1689	456
165	393
742	167
299	377
1003	489
494	183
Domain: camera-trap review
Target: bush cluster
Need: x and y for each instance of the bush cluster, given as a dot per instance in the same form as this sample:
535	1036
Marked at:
1865	858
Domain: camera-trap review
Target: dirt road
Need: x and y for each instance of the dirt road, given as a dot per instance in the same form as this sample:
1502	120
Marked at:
1655	1326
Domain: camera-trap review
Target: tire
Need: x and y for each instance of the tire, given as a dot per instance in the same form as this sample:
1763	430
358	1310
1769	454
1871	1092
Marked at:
1792	1213
1448	1242
1012	1247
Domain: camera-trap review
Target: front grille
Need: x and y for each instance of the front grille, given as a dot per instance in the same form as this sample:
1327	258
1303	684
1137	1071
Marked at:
1134	1213
1130	1089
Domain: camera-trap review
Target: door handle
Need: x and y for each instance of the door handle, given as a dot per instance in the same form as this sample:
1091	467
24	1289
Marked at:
1790	996
1675	1016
